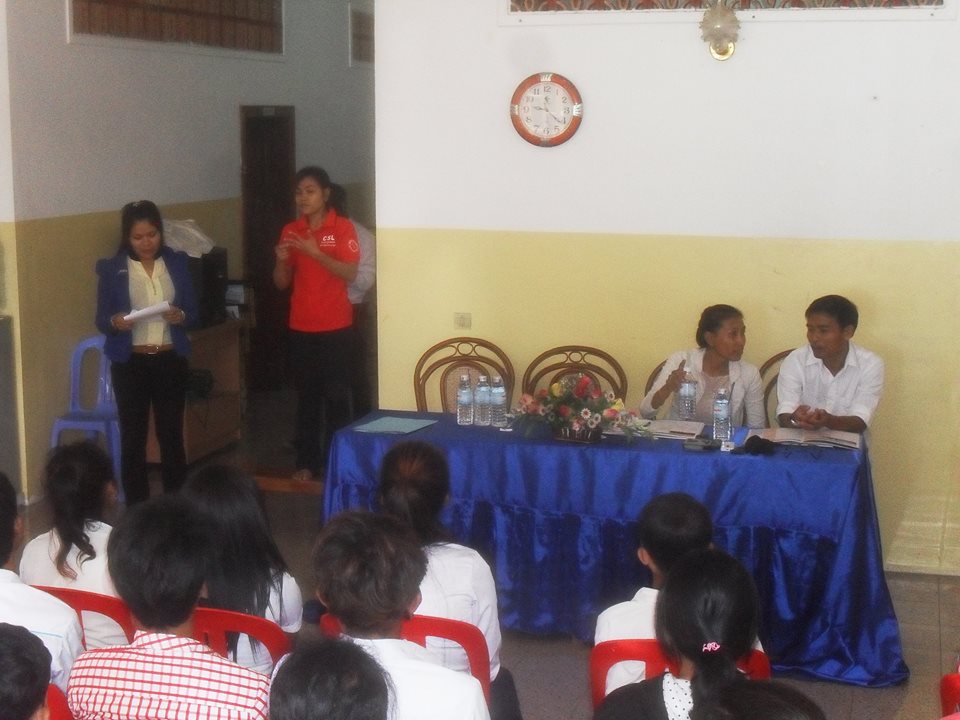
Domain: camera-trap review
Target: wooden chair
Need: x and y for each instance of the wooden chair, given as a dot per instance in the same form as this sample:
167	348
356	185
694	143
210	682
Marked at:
82	602
418	628
57	704
607	654
211	626
560	362
769	372
950	693
453	357
653	378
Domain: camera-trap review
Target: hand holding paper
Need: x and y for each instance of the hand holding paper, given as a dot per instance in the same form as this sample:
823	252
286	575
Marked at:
148	312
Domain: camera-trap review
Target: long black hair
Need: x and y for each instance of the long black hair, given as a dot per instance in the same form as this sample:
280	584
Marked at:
76	479
248	563
707	613
414	485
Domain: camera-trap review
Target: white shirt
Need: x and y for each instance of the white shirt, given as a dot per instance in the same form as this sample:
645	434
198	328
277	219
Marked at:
746	399
52	621
459	586
630	620
423	689
38	567
286	610
677	697
366	267
855	390
146	291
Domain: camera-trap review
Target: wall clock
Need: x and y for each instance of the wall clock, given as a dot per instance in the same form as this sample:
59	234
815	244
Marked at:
546	109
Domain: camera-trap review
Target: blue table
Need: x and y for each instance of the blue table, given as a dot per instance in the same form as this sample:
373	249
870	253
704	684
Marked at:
556	520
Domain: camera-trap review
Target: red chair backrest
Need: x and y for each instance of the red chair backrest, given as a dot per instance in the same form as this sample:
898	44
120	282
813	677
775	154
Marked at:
82	601
950	693
607	654
57	704
211	625
418	628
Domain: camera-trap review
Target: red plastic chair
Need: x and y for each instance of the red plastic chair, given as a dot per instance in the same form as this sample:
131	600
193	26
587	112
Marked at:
607	654
57	704
950	693
82	601
211	625
418	628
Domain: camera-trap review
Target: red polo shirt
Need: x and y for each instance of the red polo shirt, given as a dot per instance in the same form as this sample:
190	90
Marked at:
319	300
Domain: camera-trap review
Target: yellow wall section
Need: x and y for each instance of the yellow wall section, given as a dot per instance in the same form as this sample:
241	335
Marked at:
55	260
639	297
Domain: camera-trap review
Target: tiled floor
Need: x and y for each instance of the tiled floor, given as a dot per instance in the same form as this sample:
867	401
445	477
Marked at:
551	673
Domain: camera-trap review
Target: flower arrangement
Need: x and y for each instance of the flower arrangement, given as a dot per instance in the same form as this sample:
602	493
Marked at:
575	408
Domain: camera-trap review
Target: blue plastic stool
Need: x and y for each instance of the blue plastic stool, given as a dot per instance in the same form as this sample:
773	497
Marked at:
102	418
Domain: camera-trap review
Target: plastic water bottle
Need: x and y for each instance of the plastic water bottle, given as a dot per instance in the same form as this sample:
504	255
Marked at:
687	398
721	415
464	401
498	403
481	401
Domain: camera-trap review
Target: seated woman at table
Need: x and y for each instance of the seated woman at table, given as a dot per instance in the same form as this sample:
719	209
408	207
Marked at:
706	619
414	487
721	337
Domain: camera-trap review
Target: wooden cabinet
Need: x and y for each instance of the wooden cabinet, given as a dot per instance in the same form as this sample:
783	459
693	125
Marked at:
214	422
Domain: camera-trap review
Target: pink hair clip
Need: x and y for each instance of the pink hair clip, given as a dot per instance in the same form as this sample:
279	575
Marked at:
711	647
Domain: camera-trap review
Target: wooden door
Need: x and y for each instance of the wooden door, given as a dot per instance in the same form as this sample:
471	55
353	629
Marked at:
267	184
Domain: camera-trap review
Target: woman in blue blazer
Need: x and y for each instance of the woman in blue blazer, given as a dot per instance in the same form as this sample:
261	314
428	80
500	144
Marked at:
149	355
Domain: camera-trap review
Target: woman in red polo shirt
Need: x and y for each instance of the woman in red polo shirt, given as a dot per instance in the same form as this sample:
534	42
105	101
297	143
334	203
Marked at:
317	255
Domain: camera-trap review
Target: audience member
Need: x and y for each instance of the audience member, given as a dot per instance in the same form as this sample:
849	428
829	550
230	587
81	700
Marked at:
80	487
706	619
369	568
669	526
745	699
160	554
831	382
46	617
249	574
414	487
24	674
721	337
332	680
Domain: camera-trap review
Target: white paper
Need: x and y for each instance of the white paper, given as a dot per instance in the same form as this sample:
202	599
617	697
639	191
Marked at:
148	312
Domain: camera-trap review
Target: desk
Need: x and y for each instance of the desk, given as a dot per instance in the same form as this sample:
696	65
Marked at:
556	520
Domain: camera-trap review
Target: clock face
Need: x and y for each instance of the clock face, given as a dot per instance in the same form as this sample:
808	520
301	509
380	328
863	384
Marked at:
546	109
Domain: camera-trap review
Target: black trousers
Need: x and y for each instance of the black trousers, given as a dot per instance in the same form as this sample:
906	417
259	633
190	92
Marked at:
360	381
321	365
144	381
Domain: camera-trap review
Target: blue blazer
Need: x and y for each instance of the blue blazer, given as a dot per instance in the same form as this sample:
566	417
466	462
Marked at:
113	296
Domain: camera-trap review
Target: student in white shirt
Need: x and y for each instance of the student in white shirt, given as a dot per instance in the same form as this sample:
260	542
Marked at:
52	621
830	382
332	680
81	490
368	569
249	574
669	527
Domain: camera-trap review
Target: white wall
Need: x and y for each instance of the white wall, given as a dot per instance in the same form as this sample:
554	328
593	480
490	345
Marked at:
97	124
815	128
6	154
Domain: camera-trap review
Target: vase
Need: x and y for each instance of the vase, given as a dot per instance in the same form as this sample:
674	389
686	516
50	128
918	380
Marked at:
583	435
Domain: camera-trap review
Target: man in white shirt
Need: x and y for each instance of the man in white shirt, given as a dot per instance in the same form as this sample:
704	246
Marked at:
830	382
364	318
368	570
55	623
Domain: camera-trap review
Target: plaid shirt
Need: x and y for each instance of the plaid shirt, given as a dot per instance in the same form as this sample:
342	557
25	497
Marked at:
164	677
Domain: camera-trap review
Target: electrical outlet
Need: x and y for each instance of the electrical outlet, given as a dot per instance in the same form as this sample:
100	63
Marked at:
462	321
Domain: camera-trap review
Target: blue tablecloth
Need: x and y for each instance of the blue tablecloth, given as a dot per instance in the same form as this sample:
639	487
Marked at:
556	521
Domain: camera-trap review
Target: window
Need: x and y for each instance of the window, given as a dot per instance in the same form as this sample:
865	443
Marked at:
249	25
